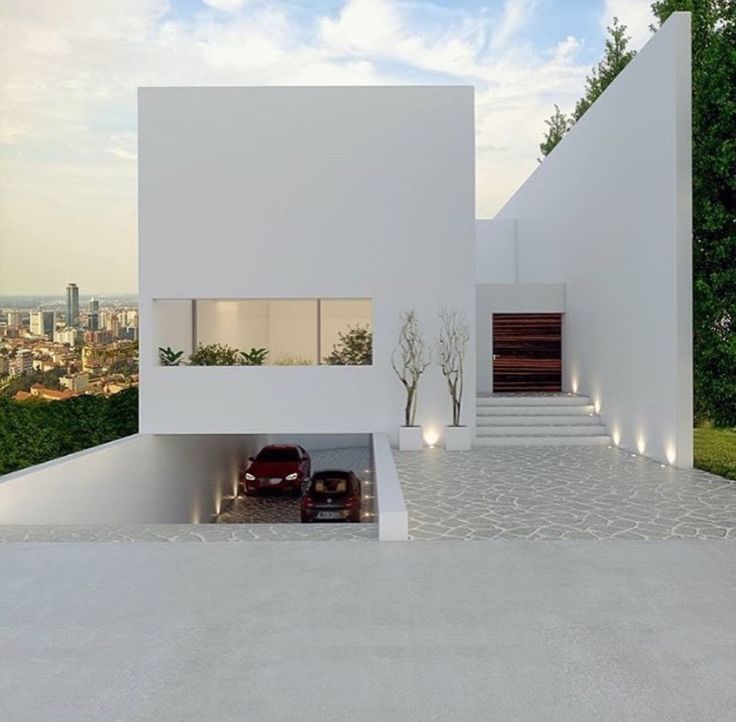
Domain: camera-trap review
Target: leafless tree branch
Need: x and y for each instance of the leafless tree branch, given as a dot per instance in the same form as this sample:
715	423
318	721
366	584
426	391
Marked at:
409	361
451	341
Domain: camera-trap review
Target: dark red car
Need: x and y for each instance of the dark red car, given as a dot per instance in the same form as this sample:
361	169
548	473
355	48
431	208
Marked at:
332	495
278	466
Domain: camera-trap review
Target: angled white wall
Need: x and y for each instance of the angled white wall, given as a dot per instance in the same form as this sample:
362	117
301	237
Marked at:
139	479
304	193
608	213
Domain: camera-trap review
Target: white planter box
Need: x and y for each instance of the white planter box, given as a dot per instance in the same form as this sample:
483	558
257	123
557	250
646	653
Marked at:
410	438
457	438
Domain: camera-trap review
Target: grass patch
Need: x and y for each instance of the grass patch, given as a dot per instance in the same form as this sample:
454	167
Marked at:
715	451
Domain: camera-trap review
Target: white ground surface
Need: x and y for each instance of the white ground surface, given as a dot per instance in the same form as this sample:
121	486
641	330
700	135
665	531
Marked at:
504	630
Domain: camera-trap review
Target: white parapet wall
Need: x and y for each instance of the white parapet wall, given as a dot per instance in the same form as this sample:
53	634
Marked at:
140	479
393	519
608	213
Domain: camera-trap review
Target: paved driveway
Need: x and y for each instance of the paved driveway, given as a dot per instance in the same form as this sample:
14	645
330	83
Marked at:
560	493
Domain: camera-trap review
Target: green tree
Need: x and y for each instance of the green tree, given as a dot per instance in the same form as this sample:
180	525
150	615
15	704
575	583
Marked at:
557	125
616	57
714	203
35	431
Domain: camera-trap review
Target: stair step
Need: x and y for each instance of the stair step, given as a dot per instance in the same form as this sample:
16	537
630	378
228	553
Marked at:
542	441
509	430
537	420
563	400
564	410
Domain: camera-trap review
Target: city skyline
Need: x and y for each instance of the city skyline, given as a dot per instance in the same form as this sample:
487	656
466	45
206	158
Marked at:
68	132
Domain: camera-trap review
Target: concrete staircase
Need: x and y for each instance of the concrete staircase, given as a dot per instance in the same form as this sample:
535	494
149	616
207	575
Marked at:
545	420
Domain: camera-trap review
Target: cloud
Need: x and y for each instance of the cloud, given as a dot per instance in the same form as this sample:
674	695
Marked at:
226	5
635	14
516	14
71	71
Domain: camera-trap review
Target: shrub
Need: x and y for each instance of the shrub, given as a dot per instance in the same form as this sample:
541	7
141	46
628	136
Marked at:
215	354
168	357
354	348
254	357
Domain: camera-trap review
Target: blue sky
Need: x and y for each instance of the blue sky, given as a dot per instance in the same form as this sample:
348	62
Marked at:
71	69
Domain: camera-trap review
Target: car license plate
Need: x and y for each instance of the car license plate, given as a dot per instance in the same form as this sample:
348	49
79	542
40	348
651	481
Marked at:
328	515
274	481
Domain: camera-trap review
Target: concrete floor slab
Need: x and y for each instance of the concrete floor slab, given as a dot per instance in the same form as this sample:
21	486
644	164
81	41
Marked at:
571	630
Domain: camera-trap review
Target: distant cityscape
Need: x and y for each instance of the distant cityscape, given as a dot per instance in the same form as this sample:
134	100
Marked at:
57	347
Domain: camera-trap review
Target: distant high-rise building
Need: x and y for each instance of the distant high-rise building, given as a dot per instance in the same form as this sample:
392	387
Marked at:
114	325
15	319
70	336
43	323
72	305
93	317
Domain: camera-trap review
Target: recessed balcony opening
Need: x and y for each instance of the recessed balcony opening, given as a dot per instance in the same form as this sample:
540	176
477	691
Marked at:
264	332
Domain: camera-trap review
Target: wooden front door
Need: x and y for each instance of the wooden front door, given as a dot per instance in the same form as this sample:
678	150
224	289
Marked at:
527	352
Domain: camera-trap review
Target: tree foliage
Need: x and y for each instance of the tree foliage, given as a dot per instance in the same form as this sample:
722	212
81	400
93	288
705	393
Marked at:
353	348
616	57
35	431
557	125
714	203
215	354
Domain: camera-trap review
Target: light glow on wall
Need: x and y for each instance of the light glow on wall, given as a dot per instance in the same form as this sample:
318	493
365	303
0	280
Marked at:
641	444
670	453
616	436
431	437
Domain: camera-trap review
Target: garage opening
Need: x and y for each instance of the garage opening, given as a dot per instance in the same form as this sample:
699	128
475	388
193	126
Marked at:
185	479
527	352
277	484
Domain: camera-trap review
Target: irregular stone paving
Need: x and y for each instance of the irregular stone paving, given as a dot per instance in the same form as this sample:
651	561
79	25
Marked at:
280	508
189	533
532	492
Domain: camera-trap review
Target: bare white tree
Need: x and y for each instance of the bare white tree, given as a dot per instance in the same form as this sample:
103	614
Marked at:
453	336
409	360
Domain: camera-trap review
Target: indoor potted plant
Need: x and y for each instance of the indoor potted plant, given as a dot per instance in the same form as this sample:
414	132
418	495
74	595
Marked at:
409	360
453	337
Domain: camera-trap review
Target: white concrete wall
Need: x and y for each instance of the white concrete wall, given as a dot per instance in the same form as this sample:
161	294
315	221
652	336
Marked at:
493	298
609	214
305	193
139	479
495	251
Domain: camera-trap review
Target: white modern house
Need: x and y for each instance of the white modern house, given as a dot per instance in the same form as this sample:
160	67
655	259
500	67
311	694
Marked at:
276	217
279	218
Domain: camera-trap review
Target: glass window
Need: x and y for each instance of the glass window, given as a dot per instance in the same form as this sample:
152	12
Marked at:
346	331
277	332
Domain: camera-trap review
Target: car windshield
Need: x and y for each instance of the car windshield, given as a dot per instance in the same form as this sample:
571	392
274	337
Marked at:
278	453
330	485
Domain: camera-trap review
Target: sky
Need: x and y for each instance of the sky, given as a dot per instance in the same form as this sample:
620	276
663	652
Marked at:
69	70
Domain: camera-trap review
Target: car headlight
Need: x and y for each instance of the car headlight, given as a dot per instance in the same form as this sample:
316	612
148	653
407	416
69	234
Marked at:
250	477
291	477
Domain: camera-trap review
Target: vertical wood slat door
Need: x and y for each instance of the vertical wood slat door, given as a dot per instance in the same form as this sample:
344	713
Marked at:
527	352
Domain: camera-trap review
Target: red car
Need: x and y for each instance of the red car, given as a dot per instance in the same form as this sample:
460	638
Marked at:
278	466
332	495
